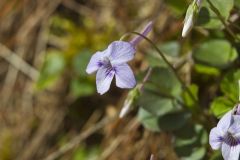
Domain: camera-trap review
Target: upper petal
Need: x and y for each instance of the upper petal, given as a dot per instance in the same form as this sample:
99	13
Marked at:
230	153
225	122
235	126
103	79
121	52
124	76
215	138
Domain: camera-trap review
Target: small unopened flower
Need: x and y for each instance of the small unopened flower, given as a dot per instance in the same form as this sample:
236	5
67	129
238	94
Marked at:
113	62
191	16
152	157
226	136
129	101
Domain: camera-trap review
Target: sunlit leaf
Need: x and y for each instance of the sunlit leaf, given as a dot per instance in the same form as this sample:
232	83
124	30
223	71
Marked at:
229	85
220	106
208	70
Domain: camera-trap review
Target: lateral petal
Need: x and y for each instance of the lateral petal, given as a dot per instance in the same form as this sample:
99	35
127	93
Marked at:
215	138
124	76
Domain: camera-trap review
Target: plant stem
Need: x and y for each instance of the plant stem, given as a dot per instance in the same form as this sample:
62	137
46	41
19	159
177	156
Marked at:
169	65
221	18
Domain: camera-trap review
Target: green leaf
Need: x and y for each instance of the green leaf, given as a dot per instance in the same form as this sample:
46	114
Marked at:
167	122
160	101
53	66
197	154
160	93
148	120
207	70
171	49
157	105
217	53
82	153
164	82
173	121
208	19
188	99
237	3
178	7
82	88
216	155
229	85
80	62
220	106
191	145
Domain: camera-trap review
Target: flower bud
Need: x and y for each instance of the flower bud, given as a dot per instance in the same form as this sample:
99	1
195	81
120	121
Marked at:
131	97
191	16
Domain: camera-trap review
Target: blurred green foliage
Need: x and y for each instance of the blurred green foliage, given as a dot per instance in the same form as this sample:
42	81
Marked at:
86	154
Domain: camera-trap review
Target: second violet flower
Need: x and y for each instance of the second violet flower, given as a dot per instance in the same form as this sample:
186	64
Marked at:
226	135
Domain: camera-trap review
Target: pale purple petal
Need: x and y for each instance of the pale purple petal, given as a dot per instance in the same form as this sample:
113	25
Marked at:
235	126
124	76
230	153
225	122
96	61
225	151
103	79
121	52
145	31
215	138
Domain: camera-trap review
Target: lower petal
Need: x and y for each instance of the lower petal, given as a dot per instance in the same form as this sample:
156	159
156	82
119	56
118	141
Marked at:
230	152
103	79
124	76
215	139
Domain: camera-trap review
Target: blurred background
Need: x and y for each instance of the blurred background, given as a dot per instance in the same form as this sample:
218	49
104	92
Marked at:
49	107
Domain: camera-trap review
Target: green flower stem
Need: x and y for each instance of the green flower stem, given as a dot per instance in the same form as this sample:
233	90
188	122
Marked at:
221	18
169	64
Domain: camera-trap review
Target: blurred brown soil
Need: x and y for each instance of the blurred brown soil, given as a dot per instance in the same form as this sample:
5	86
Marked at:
32	122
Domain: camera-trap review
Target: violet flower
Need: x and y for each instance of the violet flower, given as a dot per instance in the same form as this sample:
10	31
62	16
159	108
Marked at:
113	62
226	136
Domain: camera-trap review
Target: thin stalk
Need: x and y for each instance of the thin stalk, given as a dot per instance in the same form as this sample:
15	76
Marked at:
169	65
145	79
221	18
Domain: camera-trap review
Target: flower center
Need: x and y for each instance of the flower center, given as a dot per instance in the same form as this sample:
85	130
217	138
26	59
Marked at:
106	63
231	140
